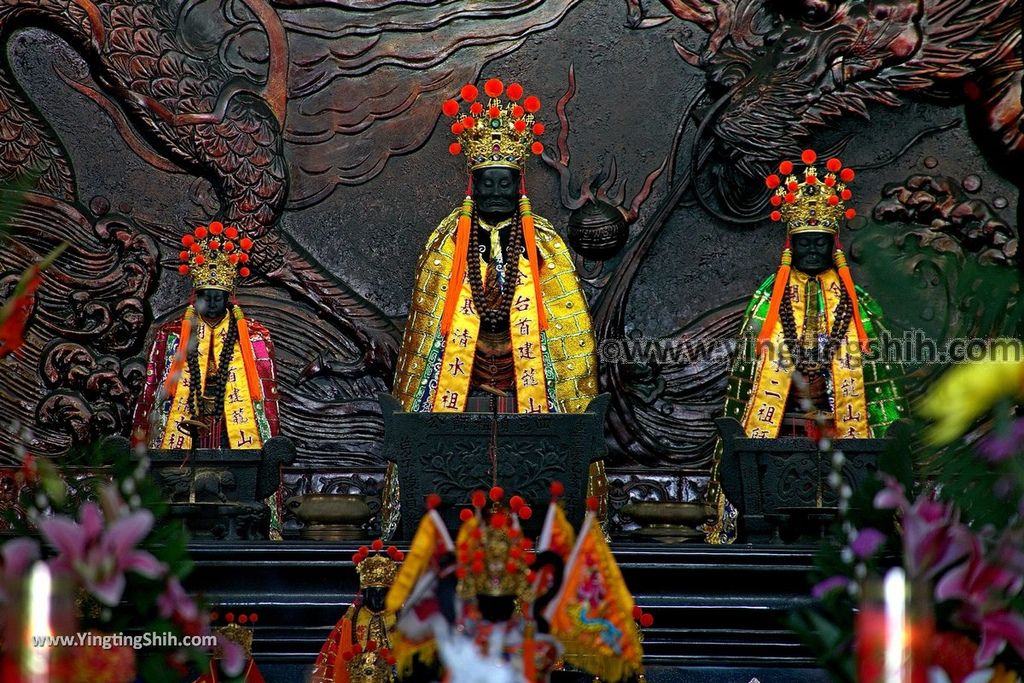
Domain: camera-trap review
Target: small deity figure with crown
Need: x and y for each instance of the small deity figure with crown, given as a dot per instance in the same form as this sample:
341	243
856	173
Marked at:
809	369
210	380
494	607
469	606
497	306
358	649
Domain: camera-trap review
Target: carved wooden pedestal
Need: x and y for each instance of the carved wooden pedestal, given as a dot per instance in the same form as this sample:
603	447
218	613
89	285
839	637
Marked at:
447	454
780	486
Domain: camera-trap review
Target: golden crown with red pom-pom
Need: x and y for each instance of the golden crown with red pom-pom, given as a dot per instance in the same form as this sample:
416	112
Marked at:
376	570
816	204
500	133
492	553
215	256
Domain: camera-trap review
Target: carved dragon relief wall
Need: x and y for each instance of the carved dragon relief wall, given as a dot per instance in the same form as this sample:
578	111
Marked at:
313	124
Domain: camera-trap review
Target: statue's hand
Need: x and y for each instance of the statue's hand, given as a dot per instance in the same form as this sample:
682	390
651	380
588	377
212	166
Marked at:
194	428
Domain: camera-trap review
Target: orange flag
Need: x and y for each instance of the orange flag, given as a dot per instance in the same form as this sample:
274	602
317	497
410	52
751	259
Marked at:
592	615
431	537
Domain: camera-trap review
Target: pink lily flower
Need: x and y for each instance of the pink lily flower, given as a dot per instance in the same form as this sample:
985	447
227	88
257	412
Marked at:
933	537
977	580
100	557
175	602
232	656
998	629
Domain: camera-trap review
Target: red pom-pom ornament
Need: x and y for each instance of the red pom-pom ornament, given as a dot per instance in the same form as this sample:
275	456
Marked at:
775	200
792	186
229	246
377	544
200	260
476	109
520	126
786	167
646	619
183	255
231	232
457	128
557	488
494	112
514	92
243	271
846	175
518	112
496	494
833	164
196	248
537	147
850	213
183	269
468	92
468	122
808	156
187	240
493	87
216	228
772	181
811	179
450	108
244	258
525	512
454	148
833	200
200	232
637	611
433	501
776	216
479	499
245	243
592	503
214	245
845	194
790	198
466	514
538	129
531	104
516	502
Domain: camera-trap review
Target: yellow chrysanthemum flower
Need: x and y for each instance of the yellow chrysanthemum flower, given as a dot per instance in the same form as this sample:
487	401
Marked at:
968	391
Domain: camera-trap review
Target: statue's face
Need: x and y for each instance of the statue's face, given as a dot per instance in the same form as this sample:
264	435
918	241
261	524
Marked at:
812	251
495	192
496	608
373	598
211	304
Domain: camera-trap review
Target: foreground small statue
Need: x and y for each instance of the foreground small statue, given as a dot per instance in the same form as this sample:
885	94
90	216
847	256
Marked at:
210	379
358	649
492	607
497	305
808	366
